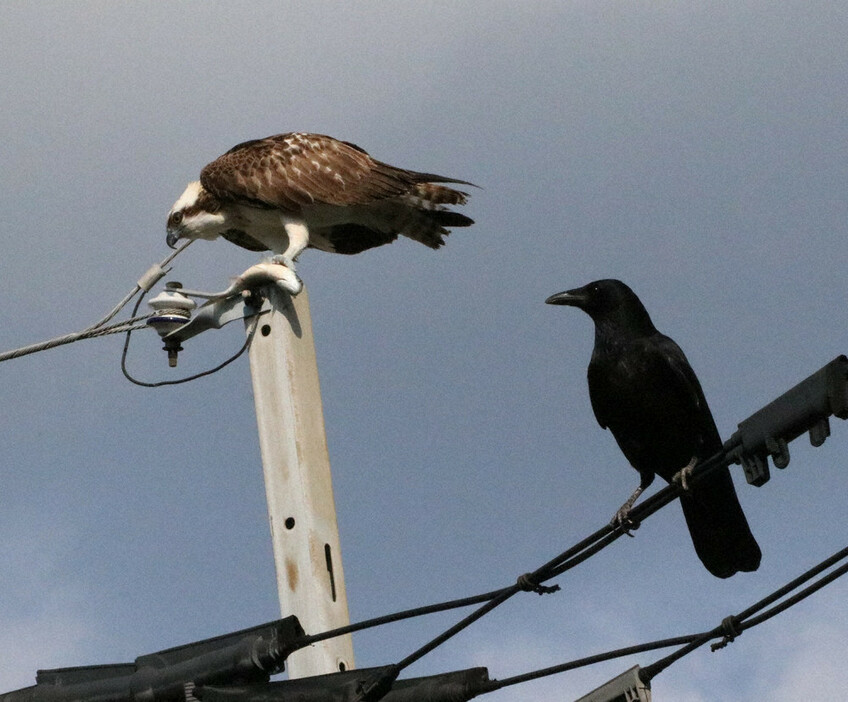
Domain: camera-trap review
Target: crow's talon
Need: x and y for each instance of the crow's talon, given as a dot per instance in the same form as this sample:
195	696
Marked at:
681	478
622	520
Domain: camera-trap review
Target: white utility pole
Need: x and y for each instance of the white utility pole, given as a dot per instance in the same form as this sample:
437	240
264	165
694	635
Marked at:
298	486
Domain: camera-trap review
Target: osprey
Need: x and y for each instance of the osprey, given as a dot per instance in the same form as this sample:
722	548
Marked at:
292	191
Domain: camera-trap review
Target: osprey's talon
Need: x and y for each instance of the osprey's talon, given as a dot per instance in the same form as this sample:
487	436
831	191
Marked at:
291	283
681	478
281	260
292	286
264	273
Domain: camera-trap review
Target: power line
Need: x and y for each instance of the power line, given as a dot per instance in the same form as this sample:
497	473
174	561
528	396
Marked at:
89	333
152	276
252	655
145	283
581	551
731	627
727	630
568	559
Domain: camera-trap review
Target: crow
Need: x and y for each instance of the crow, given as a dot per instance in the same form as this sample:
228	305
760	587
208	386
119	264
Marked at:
643	389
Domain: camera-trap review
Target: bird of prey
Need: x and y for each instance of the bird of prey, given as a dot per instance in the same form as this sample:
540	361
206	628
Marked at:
643	389
291	191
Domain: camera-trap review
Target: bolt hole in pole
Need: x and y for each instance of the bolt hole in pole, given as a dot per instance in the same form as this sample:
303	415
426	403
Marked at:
289	523
266	329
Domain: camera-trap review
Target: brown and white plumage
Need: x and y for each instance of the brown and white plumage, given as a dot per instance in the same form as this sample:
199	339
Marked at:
292	191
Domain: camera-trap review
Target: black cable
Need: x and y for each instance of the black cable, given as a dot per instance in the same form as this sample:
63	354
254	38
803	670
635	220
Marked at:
189	378
573	556
400	616
735	625
449	604
589	660
795	599
800	580
568	559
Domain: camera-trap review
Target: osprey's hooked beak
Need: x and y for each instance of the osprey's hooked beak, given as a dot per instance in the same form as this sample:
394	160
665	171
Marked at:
174	227
573	298
172	238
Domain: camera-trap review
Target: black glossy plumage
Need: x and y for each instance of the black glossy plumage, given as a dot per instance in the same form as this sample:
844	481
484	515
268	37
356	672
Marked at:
644	391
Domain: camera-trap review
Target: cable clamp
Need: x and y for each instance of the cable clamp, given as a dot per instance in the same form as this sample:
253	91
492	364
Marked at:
728	628
527	582
153	275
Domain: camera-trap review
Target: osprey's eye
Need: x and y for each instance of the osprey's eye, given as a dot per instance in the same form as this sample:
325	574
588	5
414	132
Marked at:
176	218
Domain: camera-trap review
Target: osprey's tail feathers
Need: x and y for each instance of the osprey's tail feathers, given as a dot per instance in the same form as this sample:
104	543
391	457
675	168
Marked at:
427	220
425	178
421	215
433	194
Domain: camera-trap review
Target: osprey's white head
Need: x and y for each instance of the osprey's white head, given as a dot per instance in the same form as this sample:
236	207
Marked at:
195	215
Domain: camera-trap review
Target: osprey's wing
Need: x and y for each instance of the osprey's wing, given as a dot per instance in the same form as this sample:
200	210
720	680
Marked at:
240	238
288	171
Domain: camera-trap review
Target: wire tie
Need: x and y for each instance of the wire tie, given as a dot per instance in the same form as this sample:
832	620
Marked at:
528	583
728	628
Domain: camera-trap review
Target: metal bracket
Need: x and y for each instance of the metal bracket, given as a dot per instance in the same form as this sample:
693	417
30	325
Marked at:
804	408
215	313
243	298
627	687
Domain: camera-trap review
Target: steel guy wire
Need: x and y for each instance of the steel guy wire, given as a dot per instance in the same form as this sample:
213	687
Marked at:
147	281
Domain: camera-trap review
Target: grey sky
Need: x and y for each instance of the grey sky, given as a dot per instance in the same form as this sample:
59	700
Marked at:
696	151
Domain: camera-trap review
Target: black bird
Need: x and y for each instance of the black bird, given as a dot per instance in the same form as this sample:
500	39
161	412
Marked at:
643	389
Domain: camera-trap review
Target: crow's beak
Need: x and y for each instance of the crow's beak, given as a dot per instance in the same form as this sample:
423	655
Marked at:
172	238
574	298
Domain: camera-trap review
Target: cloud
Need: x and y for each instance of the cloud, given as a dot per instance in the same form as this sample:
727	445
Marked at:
799	654
44	638
43	625
812	666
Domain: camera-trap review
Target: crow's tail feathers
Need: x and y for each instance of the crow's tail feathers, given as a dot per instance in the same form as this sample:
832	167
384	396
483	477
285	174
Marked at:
720	532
